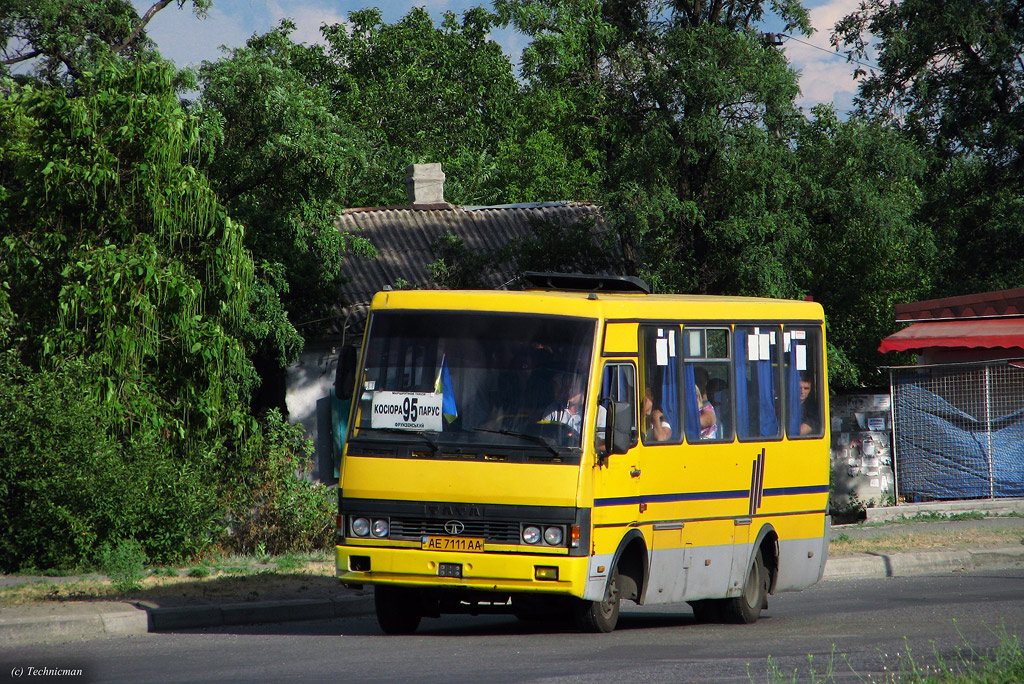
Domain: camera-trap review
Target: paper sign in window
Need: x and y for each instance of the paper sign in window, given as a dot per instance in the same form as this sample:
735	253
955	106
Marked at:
661	351
801	357
753	348
695	343
765	349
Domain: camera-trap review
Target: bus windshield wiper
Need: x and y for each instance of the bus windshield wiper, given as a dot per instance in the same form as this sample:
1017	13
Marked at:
422	435
525	435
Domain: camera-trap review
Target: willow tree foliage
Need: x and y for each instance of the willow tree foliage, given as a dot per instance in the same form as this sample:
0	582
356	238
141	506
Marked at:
117	251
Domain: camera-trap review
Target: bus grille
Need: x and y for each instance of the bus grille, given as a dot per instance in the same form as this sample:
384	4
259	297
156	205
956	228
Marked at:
492	531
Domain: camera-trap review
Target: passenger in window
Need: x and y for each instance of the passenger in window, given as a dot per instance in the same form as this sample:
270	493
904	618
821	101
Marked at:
656	426
810	423
708	417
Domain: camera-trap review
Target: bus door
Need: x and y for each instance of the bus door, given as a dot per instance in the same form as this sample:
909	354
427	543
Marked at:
616	476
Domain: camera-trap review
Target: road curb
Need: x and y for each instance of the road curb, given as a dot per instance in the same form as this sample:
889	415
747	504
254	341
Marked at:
70	621
904	564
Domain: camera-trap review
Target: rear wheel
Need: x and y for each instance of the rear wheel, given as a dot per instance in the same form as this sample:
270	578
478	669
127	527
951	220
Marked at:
746	608
398	609
600	616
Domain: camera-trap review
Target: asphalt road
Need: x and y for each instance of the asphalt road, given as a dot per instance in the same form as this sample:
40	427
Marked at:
855	626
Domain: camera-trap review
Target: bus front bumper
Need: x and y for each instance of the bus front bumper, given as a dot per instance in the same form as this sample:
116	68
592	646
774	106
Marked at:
492	572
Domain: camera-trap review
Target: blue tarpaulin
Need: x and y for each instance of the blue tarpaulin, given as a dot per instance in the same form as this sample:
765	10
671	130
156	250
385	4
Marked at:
943	452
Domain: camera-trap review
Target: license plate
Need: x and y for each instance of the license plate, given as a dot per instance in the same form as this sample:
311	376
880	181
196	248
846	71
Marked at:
465	544
449	569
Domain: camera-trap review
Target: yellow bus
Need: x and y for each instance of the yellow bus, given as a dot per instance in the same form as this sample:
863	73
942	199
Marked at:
552	451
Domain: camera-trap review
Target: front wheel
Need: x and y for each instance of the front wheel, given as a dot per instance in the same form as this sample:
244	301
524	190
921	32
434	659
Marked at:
600	616
746	608
398	609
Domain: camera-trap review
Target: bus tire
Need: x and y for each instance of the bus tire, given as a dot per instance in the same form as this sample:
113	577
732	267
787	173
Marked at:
398	609
746	608
600	616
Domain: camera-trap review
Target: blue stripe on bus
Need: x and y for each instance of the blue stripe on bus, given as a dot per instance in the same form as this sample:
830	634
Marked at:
707	496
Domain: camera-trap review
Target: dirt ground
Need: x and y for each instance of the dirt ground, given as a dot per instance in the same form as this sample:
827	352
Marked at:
315	580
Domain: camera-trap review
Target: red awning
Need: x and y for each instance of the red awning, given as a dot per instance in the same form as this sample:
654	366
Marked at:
970	334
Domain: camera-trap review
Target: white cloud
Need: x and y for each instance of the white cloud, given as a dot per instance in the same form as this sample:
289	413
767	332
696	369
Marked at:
826	76
307	18
188	40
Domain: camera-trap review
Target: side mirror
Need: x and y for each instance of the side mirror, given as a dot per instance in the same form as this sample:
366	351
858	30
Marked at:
619	433
345	377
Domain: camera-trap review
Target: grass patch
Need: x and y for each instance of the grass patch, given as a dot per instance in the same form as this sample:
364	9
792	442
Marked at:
1002	664
844	545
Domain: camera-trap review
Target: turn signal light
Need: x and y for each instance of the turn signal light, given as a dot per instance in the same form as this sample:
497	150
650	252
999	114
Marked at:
545	573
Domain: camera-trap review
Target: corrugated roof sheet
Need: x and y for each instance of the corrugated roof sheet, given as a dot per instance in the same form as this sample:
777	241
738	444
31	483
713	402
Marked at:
404	236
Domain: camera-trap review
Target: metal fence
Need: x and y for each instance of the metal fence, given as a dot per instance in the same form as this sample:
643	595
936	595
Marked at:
959	431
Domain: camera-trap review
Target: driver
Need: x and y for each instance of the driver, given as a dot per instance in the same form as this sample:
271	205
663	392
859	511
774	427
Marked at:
570	410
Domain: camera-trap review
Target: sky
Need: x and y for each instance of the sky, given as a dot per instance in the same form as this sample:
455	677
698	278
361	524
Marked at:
826	76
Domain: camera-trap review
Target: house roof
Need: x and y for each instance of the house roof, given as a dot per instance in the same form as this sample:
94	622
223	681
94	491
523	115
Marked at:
961	334
977	321
982	305
404	237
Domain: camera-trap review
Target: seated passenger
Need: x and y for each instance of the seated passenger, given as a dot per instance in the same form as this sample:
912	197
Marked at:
656	426
706	411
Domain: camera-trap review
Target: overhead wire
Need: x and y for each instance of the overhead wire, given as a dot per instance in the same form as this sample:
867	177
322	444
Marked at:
830	52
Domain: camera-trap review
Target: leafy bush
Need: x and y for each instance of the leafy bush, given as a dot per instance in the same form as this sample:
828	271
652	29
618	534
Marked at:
68	485
123	562
272	507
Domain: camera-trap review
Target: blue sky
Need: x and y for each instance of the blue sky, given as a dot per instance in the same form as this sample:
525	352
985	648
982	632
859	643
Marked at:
187	40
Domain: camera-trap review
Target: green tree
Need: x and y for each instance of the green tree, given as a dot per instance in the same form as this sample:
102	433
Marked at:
284	165
423	93
117	251
63	39
862	248
951	74
682	114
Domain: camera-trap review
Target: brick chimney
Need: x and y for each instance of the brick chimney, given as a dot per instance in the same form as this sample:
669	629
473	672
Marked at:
425	184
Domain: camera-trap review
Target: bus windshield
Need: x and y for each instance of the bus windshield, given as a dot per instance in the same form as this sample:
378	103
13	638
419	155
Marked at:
443	378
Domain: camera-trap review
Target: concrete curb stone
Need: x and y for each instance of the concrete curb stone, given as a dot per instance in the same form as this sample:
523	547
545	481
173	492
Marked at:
875	565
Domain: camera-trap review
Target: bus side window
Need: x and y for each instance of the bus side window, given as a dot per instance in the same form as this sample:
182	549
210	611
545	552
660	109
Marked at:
802	358
757	382
661	399
708	401
618	383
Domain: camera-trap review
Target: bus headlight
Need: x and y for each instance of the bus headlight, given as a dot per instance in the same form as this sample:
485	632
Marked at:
531	534
360	527
553	535
381	528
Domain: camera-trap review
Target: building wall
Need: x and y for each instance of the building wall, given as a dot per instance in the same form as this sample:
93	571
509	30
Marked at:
308	398
861	450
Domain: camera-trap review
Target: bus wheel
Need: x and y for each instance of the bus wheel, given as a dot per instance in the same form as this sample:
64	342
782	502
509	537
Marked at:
746	608
398	609
600	616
